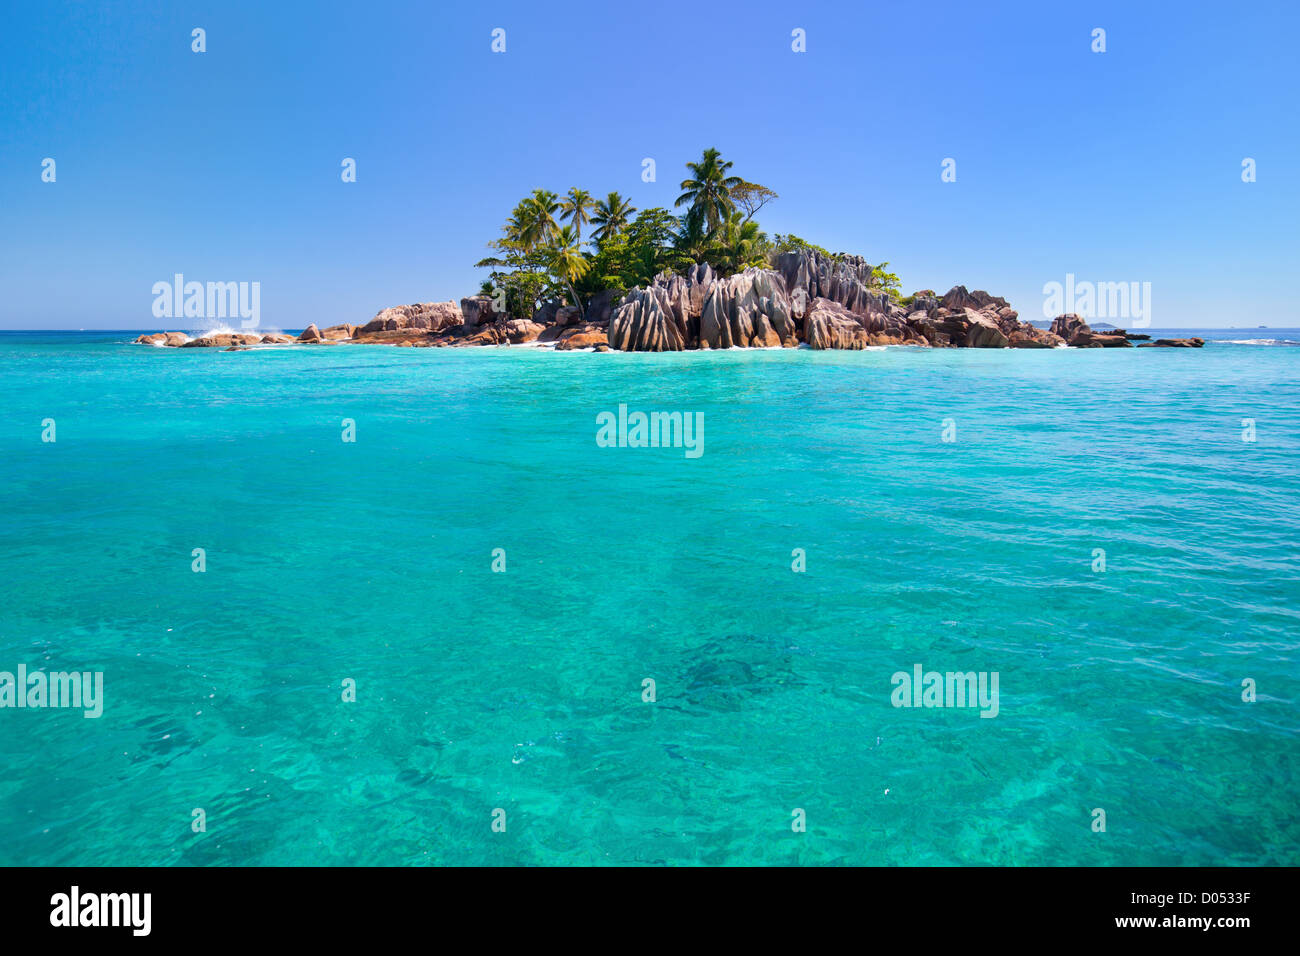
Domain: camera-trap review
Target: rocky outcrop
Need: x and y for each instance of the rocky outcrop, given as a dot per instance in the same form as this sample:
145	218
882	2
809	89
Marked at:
944	328
686	294
1078	334
645	322
516	331
807	297
983	331
891	328
1129	336
1034	338
957	298
487	335
222	340
601	308
847	280
567	315
230	341
1192	343
984	321
1072	329
589	339
476	310
923	301
1110	341
545	315
748	310
394	337
830	325
426	316
161	339
552	333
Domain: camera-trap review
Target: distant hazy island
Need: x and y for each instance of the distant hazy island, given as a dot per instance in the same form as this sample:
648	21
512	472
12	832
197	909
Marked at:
708	278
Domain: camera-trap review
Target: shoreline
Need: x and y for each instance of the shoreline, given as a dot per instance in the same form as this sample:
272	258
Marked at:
804	298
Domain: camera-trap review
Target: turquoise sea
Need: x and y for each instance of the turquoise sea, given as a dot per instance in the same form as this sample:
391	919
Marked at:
372	561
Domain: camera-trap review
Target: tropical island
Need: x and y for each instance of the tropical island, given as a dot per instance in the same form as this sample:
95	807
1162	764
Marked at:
708	277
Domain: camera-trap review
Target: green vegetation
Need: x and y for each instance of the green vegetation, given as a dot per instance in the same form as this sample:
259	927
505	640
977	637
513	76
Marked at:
710	188
537	259
792	243
886	282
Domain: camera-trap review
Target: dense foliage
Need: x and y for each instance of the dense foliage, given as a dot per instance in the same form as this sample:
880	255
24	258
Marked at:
540	254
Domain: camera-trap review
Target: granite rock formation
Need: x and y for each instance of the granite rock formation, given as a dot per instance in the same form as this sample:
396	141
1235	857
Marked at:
805	298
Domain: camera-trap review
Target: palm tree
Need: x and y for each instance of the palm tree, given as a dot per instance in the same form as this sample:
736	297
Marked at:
693	237
516	231
613	213
577	208
523	245
710	187
567	261
740	243
538	223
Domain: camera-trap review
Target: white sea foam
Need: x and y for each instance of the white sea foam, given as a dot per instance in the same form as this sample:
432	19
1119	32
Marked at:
223	329
1261	341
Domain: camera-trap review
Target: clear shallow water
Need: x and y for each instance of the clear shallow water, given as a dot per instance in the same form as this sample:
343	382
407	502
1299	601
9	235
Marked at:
521	690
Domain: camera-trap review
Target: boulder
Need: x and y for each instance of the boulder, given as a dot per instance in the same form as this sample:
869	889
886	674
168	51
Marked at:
905	336
963	328
516	331
222	340
428	316
310	334
477	310
1192	343
983	331
923	301
1073	330
592	339
156	339
601	307
1111	340
546	314
890	327
394	337
337	333
830	325
276	338
175	339
568	315
957	298
1032	338
488	335
1113	332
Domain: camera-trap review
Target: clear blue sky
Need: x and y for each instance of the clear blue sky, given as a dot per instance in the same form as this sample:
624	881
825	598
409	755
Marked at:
225	165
